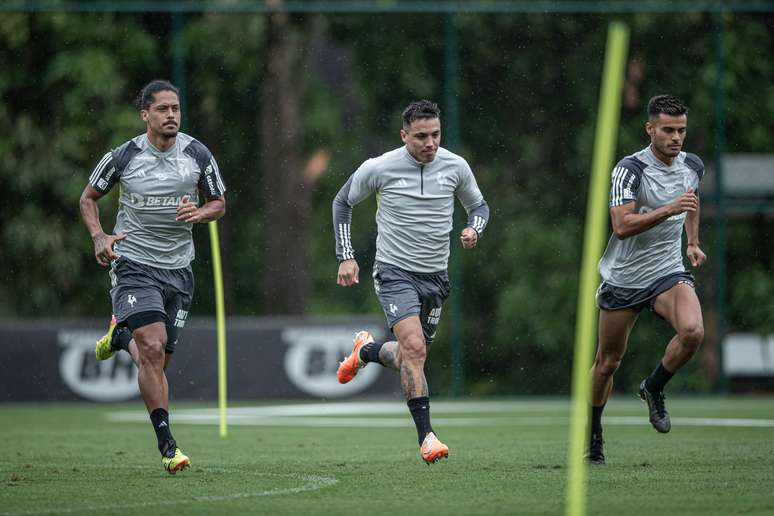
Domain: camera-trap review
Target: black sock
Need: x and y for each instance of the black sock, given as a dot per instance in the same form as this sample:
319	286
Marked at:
420	411
658	379
370	352
160	419
596	419
121	339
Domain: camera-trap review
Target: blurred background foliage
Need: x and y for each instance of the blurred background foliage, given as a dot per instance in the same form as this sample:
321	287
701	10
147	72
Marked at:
291	104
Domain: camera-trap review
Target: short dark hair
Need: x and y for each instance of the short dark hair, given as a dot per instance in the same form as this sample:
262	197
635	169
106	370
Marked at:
667	104
148	92
420	109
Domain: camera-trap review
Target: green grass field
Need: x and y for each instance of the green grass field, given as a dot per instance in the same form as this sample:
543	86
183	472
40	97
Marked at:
507	457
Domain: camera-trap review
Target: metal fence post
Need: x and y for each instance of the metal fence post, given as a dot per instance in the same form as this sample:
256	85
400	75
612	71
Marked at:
451	137
720	204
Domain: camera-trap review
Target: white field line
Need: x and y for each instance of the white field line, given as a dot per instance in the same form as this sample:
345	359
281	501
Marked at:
380	407
697	421
307	483
351	415
337	422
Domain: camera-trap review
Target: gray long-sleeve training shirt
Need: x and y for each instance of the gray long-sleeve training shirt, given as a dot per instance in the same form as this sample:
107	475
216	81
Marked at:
415	207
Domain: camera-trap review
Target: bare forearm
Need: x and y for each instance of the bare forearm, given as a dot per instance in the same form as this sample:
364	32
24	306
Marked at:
692	227
212	210
626	222
90	216
693	251
635	223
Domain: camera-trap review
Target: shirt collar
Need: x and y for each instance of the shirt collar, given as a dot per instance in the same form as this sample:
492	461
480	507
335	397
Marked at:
155	151
416	162
654	161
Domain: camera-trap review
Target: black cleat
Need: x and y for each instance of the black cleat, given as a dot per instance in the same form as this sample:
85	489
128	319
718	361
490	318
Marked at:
595	455
659	417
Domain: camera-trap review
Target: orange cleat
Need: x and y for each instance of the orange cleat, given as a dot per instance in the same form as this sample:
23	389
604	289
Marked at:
348	368
433	450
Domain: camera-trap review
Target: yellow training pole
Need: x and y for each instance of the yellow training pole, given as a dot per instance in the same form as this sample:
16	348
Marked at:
220	322
596	230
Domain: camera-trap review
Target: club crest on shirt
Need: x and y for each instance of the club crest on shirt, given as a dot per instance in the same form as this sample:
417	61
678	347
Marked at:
184	169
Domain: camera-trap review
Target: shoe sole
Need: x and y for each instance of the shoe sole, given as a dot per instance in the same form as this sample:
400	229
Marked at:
101	359
109	354
643	397
111	329
180	467
437	459
355	351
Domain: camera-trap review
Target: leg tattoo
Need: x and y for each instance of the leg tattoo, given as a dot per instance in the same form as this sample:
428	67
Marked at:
407	382
388	355
410	382
425	390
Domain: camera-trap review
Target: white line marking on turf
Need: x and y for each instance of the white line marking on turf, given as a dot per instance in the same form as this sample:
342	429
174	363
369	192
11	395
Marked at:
697	421
351	414
312	483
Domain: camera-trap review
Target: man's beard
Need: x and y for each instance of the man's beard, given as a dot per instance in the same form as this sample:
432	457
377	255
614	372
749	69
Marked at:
169	132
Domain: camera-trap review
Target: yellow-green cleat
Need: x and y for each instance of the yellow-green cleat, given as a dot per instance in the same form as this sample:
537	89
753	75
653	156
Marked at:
102	350
177	463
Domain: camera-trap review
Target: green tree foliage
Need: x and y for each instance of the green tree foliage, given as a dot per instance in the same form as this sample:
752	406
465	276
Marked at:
222	112
63	82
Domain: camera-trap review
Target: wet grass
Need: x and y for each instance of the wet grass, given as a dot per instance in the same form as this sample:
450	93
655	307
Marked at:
70	459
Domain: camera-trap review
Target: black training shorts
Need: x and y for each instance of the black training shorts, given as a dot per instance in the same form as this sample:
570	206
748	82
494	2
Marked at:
158	294
403	293
610	297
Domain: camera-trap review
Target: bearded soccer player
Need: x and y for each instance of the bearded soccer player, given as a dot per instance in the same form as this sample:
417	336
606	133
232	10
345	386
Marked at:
416	184
161	174
653	199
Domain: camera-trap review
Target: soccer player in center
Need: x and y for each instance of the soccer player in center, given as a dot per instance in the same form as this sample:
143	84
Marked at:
416	184
653	197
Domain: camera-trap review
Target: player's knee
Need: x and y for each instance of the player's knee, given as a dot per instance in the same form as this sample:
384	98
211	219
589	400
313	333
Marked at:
413	348
151	350
151	346
607	365
692	336
151	353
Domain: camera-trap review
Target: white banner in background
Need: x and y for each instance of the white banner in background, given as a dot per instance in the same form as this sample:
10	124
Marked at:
313	355
114	379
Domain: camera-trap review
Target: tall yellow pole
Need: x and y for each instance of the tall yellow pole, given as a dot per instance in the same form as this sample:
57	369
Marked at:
596	230
220	322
